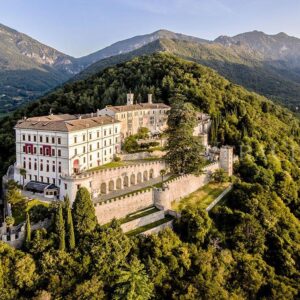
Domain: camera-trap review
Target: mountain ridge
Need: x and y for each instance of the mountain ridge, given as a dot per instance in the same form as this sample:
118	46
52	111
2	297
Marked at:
267	64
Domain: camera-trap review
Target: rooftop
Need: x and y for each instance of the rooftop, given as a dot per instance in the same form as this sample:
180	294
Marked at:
65	122
140	106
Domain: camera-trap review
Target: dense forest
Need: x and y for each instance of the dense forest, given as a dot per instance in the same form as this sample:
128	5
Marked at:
247	248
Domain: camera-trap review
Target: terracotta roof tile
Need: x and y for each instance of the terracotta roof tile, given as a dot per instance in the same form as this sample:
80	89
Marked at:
64	123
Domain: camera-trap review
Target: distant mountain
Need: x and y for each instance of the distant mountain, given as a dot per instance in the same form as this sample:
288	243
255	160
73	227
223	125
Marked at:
134	43
28	68
267	64
280	46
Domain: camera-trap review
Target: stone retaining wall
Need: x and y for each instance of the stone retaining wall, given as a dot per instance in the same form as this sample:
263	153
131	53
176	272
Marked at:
122	206
143	221
158	228
182	186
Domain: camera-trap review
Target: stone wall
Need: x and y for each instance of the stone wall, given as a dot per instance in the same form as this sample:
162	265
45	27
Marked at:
158	228
182	186
108	180
139	222
16	235
122	206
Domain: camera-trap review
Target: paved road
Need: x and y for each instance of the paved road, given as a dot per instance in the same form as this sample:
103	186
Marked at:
132	188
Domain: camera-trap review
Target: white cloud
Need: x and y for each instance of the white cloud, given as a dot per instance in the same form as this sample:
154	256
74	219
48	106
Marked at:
191	7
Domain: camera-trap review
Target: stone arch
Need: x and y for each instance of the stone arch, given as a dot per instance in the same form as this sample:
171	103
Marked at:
103	188
145	175
132	179
126	181
111	185
119	184
139	177
151	174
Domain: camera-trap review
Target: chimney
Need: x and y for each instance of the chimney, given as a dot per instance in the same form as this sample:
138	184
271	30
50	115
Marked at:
150	98
130	98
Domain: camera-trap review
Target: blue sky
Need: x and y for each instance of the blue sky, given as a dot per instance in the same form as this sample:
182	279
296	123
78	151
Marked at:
79	27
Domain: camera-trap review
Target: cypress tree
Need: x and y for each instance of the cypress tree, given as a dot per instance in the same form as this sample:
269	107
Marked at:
69	225
60	228
83	213
27	229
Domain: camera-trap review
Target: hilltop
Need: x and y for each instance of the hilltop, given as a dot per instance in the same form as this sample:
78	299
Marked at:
246	248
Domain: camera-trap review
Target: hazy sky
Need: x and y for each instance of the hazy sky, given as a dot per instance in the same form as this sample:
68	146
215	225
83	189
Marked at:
79	27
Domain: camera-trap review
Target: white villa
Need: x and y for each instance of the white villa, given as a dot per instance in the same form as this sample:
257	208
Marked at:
50	147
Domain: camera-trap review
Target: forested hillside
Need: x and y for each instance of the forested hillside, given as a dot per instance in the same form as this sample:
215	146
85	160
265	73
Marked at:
248	248
239	63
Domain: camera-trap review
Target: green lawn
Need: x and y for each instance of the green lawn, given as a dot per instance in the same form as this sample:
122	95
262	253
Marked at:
202	197
113	164
149	226
142	213
19	211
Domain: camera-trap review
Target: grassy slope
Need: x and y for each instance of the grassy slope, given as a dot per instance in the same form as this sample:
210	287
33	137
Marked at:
202	197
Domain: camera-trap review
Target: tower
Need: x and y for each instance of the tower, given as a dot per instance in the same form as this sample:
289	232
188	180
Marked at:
226	159
130	98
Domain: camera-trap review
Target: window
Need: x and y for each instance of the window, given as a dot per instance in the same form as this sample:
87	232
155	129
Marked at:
34	138
105	143
83	149
91	147
35	166
75	151
41	167
109	130
47	139
41	138
29	137
59	182
53	168
78	186
105	132
42	178
53	180
116	130
110	141
53	152
91	157
58	152
53	140
29	166
23	137
98	134
104	152
24	164
75	139
84	160
98	145
59	140
90	136
41	150
24	149
34	150
48	180
47	168
66	186
83	137
59	169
